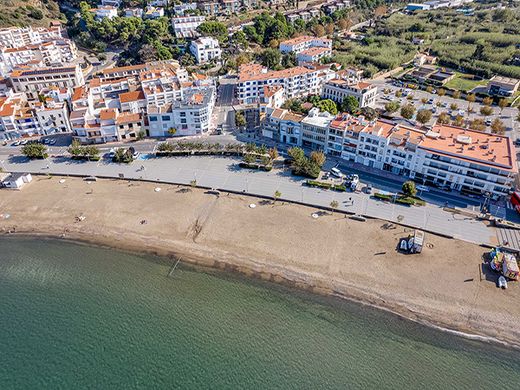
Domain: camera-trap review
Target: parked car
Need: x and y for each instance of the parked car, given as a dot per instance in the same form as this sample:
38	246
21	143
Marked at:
46	141
352	181
517	142
368	189
488	122
336	172
16	143
52	141
24	142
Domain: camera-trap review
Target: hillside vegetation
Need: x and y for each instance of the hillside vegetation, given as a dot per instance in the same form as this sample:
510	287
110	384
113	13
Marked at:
28	12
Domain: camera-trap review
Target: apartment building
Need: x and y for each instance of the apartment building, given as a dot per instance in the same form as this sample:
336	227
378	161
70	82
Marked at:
182	8
206	49
30	81
339	89
299	44
296	82
22	118
153	12
189	116
133	12
313	54
448	157
186	26
283	126
24	36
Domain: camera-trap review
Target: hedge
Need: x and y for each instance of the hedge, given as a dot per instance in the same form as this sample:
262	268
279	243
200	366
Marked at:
328	186
197	153
383	196
91	158
266	168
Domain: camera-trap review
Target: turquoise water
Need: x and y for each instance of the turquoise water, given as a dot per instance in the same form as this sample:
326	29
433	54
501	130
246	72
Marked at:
73	316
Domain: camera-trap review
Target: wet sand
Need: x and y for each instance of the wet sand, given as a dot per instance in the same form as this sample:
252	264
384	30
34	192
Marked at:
281	242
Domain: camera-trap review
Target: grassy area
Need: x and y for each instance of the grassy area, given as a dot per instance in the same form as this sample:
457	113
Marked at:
464	82
28	12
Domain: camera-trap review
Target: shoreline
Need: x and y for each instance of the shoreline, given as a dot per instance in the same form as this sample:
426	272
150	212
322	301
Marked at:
225	268
194	243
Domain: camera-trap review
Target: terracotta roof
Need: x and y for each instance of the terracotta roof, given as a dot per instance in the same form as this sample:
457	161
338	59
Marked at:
131	96
128	117
124	69
107	114
313	51
275	74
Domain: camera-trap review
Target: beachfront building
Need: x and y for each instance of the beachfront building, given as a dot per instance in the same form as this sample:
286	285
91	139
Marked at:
206	49
338	89
283	126
22	118
296	82
447	157
299	44
189	116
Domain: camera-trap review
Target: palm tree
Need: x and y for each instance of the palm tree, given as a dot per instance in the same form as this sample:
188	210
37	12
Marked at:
277	195
334	205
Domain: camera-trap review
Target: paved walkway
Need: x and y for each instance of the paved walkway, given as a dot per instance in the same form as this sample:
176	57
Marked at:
224	174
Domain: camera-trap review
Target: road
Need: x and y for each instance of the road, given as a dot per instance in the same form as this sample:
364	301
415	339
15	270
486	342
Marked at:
224	174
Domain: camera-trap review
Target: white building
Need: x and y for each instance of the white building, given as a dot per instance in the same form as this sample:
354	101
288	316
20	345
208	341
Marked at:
299	44
190	116
283	126
153	12
31	81
206	49
180	9
314	129
134	12
103	12
24	36
186	26
296	82
111	3
313	54
339	89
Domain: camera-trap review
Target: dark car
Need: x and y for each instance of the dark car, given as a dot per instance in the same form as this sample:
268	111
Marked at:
517	142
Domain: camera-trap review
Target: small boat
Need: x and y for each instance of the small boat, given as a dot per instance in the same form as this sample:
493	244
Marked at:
502	282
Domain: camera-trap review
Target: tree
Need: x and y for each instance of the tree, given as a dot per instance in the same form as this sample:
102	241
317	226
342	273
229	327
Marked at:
273	153
318	30
249	158
240	119
408	111
471	97
498	127
277	195
454	106
270	58
456	95
35	151
318	158
240	39
477	124
172	131
429	89
409	188
459	121
424	116
297	154
486	110
380	11
443	118
502	103
392	106
327	105
123	156
349	104
369	113
334	205
424	100
329	29
289	60
398	93
441	92
487	101
213	29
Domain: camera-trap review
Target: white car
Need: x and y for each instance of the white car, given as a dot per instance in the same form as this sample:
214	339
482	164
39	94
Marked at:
336	172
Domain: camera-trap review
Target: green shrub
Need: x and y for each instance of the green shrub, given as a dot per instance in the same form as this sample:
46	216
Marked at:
377	195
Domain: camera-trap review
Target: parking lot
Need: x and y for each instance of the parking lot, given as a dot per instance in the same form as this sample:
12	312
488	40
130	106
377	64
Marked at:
438	104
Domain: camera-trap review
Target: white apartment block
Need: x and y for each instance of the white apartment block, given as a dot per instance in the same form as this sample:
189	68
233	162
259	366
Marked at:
24	36
313	54
299	44
186	26
134	12
206	49
180	9
20	118
296	82
464	160
190	116
339	89
30	81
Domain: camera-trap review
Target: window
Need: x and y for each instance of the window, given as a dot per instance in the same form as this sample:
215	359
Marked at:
165	118
153	119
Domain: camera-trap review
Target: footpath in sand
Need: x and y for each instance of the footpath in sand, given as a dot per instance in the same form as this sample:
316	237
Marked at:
446	284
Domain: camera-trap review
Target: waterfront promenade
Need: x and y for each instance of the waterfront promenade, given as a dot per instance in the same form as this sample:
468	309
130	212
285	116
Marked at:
224	174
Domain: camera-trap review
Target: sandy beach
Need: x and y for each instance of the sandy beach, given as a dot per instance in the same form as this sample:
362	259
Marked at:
281	242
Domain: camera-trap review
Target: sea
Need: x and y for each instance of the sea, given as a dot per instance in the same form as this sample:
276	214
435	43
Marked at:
74	316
